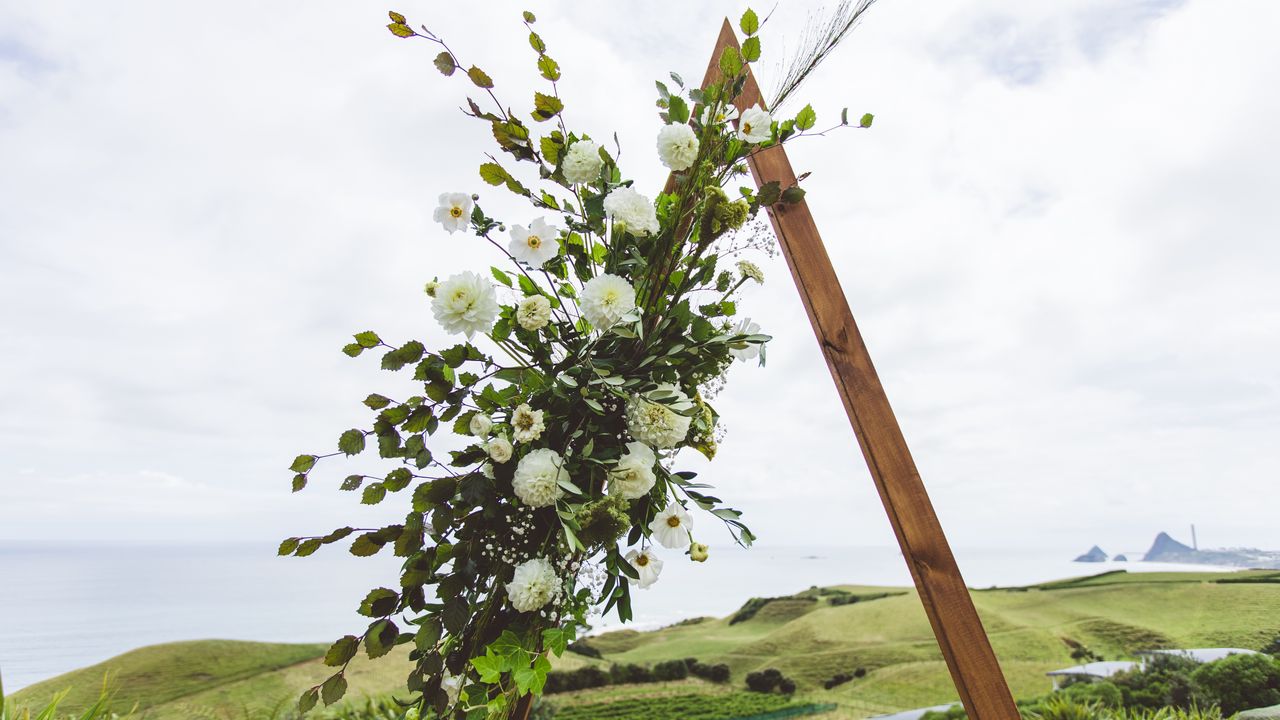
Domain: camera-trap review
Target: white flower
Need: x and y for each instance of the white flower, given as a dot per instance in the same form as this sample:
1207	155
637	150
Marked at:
698	552
605	299
454	211
647	565
634	477
672	526
582	162
677	147
480	425
745	351
532	585
535	244
658	423
534	312
537	478
527	423
431	287
465	303
756	125
630	208
487	470
748	269
499	449
725	114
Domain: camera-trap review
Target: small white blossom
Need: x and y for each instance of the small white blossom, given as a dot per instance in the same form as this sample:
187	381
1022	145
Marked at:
756	125
672	526
725	114
430	288
582	162
743	350
633	210
454	211
605	299
748	269
499	448
698	552
648	566
527	423
536	244
677	146
533	585
633	477
534	312
658	423
465	303
480	425
537	478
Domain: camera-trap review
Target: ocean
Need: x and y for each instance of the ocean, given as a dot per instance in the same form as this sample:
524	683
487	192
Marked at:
65	607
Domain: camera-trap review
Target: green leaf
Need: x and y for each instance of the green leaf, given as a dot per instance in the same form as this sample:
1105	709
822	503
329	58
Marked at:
376	401
546	106
342	651
550	149
479	77
366	545
535	42
288	546
351	442
844	116
806	117
749	23
493	173
333	689
397	17
549	68
352	349
303	463
368	339
373	494
308	547
793	194
529	17
751	49
445	64
490	668
308	700
299	482
730	62
380	602
380	638
401	30
677	110
770	193
866	120
428	634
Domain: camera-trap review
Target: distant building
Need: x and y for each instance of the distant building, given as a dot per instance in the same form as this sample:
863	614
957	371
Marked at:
1200	655
1090	672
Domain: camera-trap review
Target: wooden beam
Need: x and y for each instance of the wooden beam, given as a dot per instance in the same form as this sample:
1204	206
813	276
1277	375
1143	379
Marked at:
959	631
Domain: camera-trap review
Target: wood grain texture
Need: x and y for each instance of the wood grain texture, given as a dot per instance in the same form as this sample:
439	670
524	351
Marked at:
959	631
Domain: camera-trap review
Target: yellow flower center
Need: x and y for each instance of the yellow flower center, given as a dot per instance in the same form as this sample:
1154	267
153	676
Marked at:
673	521
746	128
534	242
455	211
642	560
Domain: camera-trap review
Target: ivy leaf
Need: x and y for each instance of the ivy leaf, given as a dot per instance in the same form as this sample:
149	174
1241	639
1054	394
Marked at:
489	667
866	120
401	30
806	117
333	689
303	463
351	442
546	106
749	23
445	64
751	49
479	77
557	639
342	651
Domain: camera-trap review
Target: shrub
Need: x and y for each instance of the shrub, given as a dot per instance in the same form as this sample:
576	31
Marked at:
718	673
1165	681
1102	693
621	674
584	677
671	670
787	686
1239	682
769	680
582	648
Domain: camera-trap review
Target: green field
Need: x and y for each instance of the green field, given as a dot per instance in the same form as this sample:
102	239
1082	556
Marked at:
808	638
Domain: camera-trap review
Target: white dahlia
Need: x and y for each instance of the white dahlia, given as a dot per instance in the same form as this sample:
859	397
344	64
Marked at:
633	210
534	312
672	526
454	211
582	162
536	244
755	125
677	147
527	423
537	478
532	585
658	423
465	303
633	477
648	566
605	299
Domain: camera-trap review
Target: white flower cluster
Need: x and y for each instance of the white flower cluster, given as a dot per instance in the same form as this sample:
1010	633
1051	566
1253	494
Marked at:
582	162
537	478
634	211
658	423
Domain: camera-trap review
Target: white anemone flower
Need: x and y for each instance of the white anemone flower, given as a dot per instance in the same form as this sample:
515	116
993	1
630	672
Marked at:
605	299
532	585
582	162
755	125
480	425
672	526
632	210
648	566
499	448
633	477
536	244
658	423
534	312
527	423
454	211
465	303
537	478
677	146
724	114
747	351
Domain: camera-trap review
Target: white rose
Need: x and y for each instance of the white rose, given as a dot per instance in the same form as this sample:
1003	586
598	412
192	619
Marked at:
465	303
633	210
480	425
756	125
605	299
536	244
677	147
454	211
537	478
633	477
532	585
582	162
499	449
534	312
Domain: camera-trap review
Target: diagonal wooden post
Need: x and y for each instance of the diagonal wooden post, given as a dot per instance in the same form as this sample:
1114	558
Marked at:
955	621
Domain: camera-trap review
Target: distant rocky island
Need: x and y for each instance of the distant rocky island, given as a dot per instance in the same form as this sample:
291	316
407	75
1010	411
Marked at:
1166	549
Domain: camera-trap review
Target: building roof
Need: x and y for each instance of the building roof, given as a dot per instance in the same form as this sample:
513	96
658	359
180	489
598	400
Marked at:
914	714
1095	669
1201	655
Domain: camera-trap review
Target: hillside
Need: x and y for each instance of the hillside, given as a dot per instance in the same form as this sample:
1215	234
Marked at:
809	637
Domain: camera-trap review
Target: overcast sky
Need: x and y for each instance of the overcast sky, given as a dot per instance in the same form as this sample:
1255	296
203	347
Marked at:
1061	240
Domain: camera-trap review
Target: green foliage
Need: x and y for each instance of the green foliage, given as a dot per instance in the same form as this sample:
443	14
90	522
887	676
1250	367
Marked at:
1239	682
686	707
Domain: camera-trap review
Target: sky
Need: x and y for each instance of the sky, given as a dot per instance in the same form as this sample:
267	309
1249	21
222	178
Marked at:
1059	240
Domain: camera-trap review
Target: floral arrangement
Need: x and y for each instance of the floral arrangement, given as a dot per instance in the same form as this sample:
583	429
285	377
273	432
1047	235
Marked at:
585	364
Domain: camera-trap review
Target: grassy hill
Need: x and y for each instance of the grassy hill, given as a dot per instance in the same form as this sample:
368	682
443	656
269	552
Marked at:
809	637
